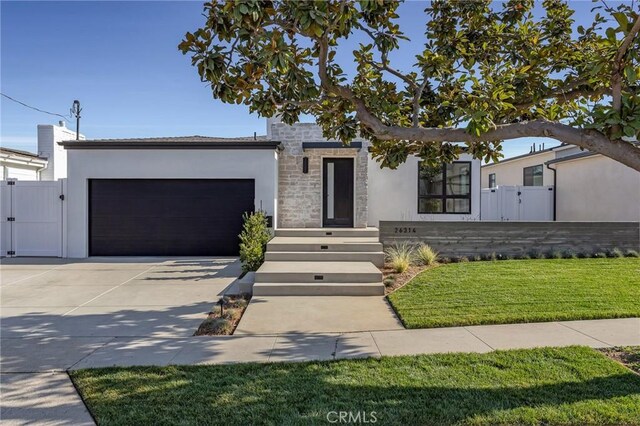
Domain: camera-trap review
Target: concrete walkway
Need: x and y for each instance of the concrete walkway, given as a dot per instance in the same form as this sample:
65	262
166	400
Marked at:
329	346
317	314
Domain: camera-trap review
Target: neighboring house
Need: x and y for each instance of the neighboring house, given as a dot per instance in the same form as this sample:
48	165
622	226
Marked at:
588	186
524	170
50	163
21	165
592	187
183	196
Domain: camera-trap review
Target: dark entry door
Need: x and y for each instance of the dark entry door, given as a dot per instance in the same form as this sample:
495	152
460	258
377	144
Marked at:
167	217
337	192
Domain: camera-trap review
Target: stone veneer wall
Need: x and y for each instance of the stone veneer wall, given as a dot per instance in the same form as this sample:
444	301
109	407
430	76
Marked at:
299	194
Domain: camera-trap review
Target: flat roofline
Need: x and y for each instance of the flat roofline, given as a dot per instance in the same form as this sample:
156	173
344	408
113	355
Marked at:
572	157
170	145
330	145
521	156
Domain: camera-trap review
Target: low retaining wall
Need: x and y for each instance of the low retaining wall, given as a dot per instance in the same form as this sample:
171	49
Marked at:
514	238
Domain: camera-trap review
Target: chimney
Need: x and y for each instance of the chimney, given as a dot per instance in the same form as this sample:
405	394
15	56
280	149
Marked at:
48	137
270	122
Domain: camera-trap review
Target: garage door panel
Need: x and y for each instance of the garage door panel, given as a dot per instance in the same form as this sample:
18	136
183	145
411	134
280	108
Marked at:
168	217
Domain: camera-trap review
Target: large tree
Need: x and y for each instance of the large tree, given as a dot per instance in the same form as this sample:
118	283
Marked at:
488	73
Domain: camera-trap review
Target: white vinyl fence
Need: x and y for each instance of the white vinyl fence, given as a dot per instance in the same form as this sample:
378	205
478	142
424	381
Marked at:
517	203
31	218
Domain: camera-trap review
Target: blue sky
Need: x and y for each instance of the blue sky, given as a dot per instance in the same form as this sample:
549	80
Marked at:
120	59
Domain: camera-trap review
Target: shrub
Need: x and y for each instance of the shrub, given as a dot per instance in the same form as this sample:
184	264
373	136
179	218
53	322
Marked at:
463	259
569	254
491	256
400	256
631	253
555	254
616	252
215	326
600	255
253	240
477	258
426	255
536	254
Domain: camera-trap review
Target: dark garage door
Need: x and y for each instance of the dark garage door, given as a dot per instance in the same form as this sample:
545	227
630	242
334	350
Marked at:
167	217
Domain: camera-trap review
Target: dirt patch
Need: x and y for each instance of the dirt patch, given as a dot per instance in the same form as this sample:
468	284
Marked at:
393	280
628	356
224	318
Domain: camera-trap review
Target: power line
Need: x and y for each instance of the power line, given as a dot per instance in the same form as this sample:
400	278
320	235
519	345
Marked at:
34	108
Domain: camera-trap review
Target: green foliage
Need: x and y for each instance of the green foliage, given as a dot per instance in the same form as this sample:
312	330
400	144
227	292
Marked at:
253	240
545	386
483	64
400	256
426	255
520	291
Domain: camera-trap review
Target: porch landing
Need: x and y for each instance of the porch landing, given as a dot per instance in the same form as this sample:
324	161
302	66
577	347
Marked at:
321	262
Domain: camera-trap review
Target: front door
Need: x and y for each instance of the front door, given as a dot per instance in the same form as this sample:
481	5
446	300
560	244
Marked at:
337	192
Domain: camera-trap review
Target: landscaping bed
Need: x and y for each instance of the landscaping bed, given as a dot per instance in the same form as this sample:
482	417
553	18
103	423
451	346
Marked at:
224	318
512	291
626	355
552	386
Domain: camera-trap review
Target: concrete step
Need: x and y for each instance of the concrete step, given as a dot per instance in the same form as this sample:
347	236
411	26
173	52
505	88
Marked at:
377	258
328	232
320	289
328	244
318	272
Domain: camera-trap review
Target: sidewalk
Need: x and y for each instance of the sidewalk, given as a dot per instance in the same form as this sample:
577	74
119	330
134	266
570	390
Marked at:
328	346
39	389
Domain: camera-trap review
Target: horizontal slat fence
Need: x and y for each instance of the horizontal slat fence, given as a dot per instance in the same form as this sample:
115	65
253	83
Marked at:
514	238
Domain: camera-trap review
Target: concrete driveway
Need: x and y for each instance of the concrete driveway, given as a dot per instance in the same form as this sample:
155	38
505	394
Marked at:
56	312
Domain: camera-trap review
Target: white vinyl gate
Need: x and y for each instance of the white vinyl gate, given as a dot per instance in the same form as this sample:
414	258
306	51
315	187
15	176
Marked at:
31	218
517	203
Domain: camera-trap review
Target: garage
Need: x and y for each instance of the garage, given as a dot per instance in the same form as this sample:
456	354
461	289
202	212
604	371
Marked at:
174	196
167	217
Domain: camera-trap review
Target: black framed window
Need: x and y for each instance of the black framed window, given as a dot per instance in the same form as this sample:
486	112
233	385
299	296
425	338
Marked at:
533	176
492	180
444	189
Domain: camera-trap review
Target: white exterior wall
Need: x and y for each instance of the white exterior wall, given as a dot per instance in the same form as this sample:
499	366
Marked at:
21	173
393	194
85	164
511	173
48	138
596	188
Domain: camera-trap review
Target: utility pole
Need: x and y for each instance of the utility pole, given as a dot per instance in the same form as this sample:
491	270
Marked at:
76	110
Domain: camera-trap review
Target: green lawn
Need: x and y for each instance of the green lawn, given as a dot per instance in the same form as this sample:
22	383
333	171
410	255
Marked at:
575	385
514	291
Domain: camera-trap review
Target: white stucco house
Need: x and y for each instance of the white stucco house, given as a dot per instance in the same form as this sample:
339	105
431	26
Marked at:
588	186
174	196
186	196
49	163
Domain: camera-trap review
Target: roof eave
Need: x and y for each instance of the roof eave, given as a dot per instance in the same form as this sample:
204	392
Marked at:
169	145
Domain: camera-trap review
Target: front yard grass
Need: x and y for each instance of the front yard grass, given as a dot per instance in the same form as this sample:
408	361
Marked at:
575	385
512	291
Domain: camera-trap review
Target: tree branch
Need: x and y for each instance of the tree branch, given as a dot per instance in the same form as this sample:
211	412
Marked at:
617	70
563	94
416	103
592	140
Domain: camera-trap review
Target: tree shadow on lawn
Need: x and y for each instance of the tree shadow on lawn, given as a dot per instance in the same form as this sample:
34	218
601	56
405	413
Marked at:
306	393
